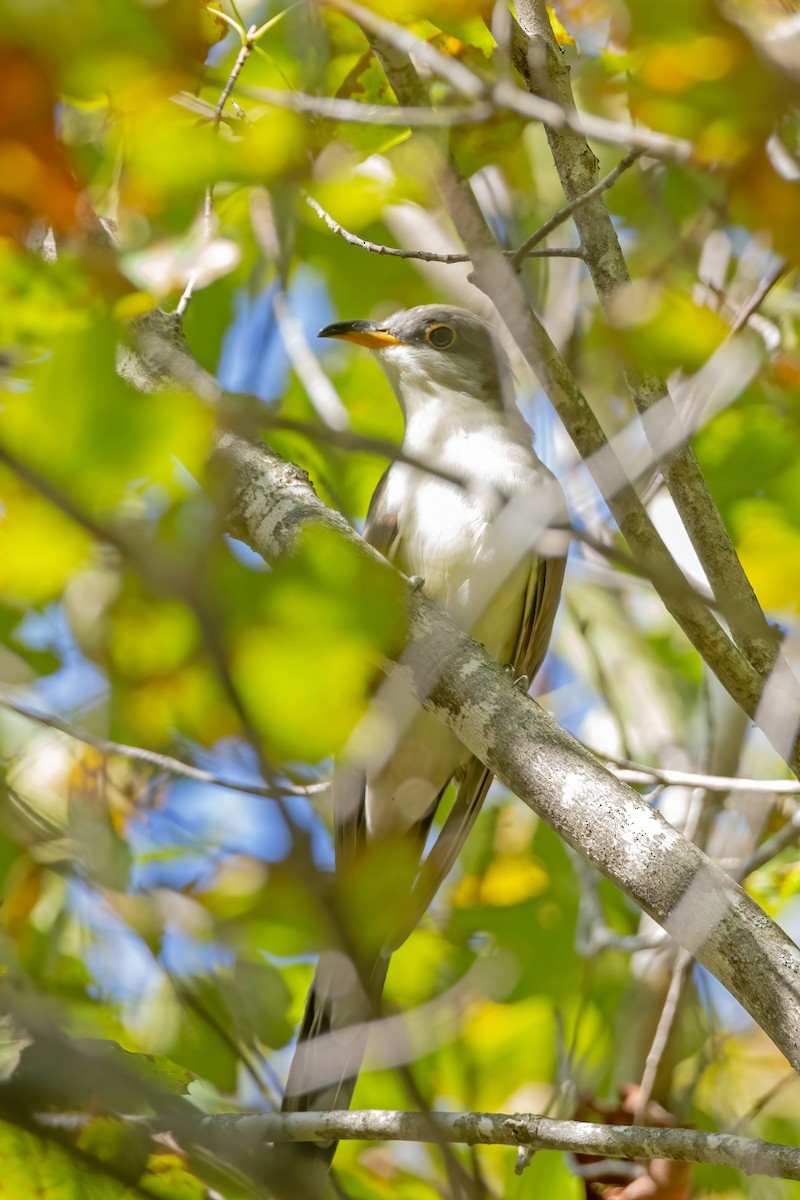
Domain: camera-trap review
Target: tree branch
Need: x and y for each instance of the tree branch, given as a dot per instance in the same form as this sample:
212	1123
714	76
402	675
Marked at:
502	97
530	1131
336	108
430	256
570	209
749	1155
151	758
547	75
673	881
495	276
635	772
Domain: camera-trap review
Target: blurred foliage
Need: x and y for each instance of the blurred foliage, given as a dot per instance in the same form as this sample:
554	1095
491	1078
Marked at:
157	934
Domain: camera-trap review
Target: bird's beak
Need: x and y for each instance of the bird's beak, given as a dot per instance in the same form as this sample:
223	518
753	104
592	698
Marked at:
364	333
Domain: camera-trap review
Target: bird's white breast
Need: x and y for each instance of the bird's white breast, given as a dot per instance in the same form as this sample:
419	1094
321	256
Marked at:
451	536
471	546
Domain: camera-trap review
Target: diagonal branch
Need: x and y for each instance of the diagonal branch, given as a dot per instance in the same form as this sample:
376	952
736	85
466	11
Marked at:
535	55
495	276
571	208
670	878
453	677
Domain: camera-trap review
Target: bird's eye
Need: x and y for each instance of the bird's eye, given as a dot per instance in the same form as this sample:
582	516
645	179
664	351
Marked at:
440	336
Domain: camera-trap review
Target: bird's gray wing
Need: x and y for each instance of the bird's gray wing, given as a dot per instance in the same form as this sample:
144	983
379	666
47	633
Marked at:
541	602
380	527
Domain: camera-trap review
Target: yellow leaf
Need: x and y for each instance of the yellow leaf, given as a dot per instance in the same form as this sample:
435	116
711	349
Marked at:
769	547
40	548
510	879
562	35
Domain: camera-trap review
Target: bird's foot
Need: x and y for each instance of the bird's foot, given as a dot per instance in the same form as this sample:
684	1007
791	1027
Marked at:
417	583
523	682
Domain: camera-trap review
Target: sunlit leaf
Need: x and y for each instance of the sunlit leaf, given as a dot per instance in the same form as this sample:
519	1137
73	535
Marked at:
329	614
562	34
768	547
258	1000
94	435
31	1167
40	548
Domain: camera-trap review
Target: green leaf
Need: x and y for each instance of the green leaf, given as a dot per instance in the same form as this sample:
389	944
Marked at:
32	1168
259	1000
40	548
329	615
92	434
124	1146
204	1043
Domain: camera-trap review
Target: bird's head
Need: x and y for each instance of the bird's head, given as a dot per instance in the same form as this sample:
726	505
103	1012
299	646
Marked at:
431	349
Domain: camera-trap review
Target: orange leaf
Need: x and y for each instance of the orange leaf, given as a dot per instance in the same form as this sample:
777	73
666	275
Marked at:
762	199
36	181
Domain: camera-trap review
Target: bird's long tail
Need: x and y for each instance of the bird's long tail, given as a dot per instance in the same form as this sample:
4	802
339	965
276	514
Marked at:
333	1035
330	1048
342	1005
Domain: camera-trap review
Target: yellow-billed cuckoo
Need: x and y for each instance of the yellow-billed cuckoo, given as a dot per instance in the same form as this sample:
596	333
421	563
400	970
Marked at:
472	546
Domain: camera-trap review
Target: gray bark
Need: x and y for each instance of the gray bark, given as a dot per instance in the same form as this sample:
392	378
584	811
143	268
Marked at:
546	74
527	1130
695	900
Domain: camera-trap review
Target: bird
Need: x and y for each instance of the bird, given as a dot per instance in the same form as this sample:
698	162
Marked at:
457	517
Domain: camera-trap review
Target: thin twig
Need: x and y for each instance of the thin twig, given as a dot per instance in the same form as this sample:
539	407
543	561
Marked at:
680	971
317	385
763	1100
335	108
208	199
208	233
767	850
424	255
635	772
347	439
608	181
163	762
765	287
240	1053
241	58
